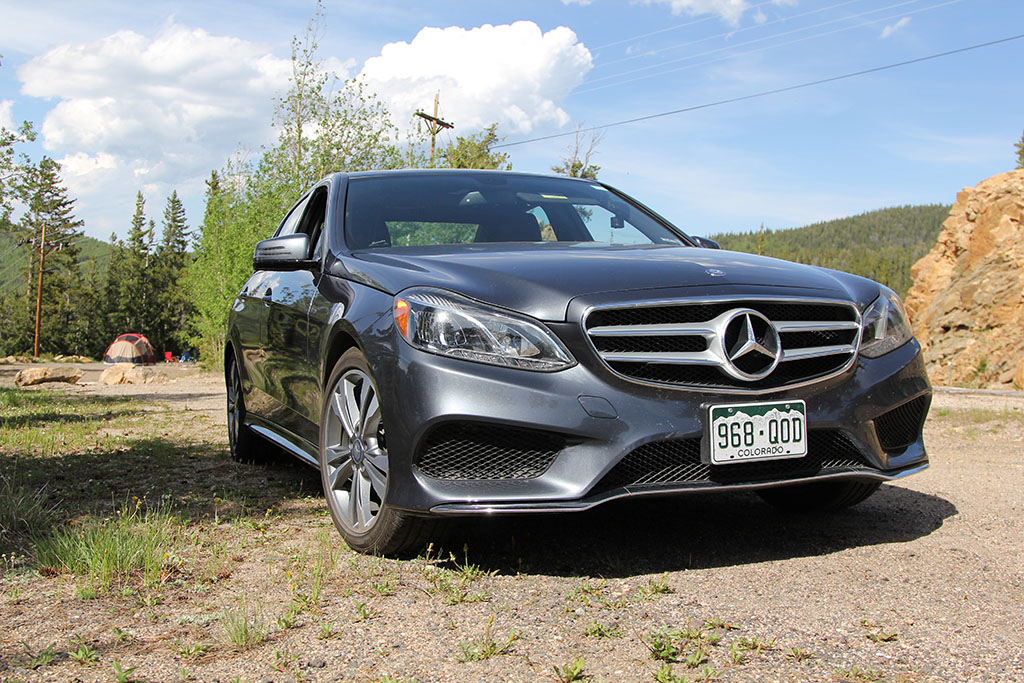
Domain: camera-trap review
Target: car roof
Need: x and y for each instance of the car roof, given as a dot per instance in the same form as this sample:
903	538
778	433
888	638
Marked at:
405	172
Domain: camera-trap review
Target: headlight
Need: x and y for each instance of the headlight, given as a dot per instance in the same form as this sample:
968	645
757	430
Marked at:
447	324
885	325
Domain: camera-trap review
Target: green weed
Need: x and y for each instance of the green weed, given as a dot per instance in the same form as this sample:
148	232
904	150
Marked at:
571	672
82	652
596	630
666	675
488	646
44	657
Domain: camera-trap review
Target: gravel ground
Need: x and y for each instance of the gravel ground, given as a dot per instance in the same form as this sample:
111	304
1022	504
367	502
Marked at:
922	582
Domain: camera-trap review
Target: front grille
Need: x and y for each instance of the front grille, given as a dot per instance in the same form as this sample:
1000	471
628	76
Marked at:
678	462
467	451
900	427
688	344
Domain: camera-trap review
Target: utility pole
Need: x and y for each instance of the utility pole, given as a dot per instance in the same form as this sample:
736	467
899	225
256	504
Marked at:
39	289
43	248
434	125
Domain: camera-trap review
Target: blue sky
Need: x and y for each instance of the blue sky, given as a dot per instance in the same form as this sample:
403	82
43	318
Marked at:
153	96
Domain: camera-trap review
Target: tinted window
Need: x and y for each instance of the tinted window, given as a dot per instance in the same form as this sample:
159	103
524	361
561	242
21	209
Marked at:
424	209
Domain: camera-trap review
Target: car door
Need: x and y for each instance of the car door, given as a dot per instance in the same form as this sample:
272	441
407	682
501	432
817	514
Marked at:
289	379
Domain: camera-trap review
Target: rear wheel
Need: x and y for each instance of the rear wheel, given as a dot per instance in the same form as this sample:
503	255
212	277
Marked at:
245	446
819	496
355	466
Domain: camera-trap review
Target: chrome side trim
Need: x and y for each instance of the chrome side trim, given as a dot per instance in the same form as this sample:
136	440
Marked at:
286	444
456	509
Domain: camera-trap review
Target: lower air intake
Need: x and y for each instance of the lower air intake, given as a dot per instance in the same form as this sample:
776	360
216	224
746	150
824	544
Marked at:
901	426
474	451
678	462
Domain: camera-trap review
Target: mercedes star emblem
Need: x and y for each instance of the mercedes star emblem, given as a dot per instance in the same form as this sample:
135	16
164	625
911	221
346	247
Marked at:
751	345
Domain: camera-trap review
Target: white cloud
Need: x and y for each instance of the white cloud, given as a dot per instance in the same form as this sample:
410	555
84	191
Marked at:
892	28
584	3
511	74
158	112
5	115
729	10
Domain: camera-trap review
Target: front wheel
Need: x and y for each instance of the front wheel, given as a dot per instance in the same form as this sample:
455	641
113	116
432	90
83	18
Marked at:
819	496
355	467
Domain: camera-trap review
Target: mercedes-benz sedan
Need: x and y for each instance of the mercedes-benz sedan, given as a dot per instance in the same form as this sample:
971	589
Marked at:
445	343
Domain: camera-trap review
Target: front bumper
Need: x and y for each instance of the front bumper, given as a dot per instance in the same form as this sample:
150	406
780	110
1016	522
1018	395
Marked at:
597	420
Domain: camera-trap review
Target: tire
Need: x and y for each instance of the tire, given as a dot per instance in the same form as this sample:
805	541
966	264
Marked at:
354	465
821	496
244	444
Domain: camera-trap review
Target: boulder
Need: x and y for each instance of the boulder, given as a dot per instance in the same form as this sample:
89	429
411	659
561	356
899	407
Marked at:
967	300
128	373
31	376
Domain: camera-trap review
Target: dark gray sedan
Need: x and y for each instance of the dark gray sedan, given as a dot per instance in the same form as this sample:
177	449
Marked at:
445	343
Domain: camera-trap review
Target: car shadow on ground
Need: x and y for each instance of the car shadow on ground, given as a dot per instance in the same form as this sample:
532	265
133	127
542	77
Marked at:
696	531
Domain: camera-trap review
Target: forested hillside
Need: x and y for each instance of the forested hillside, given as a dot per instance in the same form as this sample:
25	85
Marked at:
14	260
881	245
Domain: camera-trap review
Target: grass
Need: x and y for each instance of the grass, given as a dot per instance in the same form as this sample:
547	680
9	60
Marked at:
23	512
244	627
132	545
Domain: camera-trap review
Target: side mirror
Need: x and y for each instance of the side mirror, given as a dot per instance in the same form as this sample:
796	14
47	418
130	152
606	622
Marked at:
705	243
286	252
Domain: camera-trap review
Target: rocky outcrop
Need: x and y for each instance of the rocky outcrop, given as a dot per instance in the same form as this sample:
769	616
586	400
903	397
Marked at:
31	376
967	300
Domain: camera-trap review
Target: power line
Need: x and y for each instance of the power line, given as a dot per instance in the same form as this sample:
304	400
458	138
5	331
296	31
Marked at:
691	23
765	93
735	31
761	40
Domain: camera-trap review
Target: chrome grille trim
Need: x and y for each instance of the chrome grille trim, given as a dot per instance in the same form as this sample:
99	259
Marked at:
817	351
714	355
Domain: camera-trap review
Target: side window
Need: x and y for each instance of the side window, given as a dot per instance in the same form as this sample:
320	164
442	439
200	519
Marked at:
291	221
600	222
313	220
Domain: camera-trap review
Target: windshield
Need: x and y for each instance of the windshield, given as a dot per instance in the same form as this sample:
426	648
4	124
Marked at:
424	209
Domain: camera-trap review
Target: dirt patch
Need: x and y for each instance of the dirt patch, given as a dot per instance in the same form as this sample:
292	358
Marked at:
922	582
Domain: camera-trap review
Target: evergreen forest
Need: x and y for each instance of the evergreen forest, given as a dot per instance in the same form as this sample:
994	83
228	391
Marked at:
881	245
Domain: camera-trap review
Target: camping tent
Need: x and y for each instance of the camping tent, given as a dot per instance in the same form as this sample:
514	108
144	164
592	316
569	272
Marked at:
130	348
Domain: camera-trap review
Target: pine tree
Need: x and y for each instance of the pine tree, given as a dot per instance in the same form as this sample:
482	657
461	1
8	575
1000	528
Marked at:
1020	151
173	306
137	303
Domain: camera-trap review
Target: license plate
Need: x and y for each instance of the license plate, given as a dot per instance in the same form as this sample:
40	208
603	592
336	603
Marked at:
741	432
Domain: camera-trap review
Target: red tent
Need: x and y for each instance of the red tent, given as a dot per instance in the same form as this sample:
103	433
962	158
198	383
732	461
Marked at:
130	348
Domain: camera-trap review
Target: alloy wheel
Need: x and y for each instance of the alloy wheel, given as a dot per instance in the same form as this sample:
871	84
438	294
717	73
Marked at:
355	458
235	407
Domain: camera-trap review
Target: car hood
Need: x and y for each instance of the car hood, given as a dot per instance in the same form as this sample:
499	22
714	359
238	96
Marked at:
542	279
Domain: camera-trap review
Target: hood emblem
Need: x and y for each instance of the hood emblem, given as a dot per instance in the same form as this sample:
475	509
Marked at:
751	345
715	272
